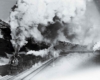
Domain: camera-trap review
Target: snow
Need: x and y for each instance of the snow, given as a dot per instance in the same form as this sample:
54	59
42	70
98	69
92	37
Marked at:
1	77
71	67
3	61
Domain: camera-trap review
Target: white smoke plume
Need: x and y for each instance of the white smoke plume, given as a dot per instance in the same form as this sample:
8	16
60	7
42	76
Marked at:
47	20
41	53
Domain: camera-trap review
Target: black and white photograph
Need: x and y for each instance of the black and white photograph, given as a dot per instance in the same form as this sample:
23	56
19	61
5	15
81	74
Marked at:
49	39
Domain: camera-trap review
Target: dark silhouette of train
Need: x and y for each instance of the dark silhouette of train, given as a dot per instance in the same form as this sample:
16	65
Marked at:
16	59
6	46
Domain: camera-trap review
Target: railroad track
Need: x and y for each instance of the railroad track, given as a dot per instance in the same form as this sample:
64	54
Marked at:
28	74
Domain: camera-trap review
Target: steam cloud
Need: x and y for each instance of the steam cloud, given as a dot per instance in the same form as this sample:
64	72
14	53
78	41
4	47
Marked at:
49	21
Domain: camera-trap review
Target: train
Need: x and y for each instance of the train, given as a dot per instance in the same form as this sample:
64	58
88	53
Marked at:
17	60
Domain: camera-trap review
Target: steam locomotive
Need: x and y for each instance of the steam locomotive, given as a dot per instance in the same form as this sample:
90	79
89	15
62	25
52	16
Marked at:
7	47
16	59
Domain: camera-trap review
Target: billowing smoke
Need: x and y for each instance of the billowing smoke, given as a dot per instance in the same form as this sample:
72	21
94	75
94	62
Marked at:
45	20
53	20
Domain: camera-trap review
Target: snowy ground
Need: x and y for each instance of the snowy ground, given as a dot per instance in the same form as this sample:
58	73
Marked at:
72	67
0	77
3	61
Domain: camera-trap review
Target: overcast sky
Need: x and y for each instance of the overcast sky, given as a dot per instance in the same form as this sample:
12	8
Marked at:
5	8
